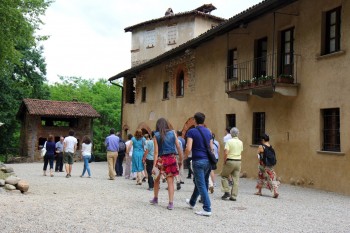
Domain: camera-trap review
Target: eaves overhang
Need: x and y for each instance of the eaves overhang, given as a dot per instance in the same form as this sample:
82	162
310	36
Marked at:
249	15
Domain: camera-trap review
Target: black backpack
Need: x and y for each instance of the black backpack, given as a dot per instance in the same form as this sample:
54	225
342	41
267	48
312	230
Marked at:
269	156
122	147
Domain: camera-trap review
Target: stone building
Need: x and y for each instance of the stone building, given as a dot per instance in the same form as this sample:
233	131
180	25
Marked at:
39	118
279	67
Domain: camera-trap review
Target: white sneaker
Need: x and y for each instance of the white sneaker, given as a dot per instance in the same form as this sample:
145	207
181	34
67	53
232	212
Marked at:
188	203
203	213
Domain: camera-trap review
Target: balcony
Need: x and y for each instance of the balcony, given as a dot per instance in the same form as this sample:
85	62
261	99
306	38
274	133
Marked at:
263	77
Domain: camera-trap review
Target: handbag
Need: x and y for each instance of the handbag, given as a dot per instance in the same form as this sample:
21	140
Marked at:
43	150
92	158
212	159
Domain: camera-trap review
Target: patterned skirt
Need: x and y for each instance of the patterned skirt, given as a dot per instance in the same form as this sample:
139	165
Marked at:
167	165
267	178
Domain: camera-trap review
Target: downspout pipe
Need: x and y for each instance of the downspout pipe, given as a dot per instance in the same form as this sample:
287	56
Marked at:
121	106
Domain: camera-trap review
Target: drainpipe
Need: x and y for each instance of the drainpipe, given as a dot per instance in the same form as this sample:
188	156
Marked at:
121	107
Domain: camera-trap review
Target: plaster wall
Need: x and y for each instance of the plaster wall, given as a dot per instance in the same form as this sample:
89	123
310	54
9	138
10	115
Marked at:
293	123
187	28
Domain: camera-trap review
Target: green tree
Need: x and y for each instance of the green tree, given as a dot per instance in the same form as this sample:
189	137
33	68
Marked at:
104	97
22	67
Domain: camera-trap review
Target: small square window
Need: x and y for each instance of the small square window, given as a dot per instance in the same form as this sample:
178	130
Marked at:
331	129
143	94
258	126
166	90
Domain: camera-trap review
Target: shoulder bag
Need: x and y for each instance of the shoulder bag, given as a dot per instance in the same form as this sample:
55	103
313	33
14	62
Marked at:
212	159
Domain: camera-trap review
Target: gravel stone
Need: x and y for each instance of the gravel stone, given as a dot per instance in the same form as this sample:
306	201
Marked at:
97	204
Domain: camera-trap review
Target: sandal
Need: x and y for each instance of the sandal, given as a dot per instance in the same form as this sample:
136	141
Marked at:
258	193
275	195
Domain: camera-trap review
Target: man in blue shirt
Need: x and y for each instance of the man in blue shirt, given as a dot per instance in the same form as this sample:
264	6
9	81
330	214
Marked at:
181	169
200	163
148	158
112	144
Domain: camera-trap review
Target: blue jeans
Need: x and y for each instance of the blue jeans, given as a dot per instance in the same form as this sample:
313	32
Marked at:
201	172
86	164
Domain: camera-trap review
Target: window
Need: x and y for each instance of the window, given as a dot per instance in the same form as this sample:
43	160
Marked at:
261	57
287	50
258	126
232	64
180	80
331	39
331	129
172	34
129	91
150	39
59	122
166	90
230	120
143	94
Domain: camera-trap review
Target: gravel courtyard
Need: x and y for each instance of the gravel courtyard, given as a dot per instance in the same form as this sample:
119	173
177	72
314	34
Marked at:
59	204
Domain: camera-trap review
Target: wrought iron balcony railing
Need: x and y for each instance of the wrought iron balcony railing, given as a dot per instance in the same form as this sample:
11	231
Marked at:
261	72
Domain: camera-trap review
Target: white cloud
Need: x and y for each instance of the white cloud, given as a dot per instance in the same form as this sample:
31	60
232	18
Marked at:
87	37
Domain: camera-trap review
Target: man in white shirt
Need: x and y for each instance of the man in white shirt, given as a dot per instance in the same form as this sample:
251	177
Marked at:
227	136
69	148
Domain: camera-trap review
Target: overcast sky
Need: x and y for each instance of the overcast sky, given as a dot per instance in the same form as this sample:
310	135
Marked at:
87	37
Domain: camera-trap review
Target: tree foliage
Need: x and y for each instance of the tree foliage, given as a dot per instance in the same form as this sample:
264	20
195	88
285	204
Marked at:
104	97
22	66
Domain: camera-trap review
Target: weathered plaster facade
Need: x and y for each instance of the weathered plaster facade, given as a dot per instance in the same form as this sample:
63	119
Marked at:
293	113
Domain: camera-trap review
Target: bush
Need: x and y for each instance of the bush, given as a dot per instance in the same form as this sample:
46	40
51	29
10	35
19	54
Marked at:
100	156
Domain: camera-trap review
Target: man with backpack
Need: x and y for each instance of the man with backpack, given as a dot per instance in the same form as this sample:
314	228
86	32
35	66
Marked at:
121	156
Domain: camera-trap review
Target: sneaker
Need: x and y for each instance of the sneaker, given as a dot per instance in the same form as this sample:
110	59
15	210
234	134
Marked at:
226	195
181	182
203	213
211	189
170	206
188	203
150	189
67	176
154	201
232	199
178	186
188	177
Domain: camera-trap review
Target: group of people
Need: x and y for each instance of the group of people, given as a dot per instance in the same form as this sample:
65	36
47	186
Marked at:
160	156
63	151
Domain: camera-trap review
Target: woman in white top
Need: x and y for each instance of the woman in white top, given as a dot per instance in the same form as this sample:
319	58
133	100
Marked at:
86	154
128	156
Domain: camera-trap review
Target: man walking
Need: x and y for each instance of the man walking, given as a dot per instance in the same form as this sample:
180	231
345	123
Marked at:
112	144
148	158
59	155
69	148
200	163
121	156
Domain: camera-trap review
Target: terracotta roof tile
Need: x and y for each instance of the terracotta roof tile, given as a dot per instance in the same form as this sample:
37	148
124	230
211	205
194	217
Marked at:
58	108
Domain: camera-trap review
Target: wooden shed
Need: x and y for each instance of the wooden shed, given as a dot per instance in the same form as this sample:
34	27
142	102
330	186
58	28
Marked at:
39	118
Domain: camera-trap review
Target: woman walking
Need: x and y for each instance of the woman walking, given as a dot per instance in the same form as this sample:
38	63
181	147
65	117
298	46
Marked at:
137	143
86	154
165	142
49	157
266	177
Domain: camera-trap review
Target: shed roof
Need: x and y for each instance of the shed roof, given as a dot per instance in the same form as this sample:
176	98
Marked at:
53	108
